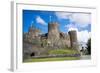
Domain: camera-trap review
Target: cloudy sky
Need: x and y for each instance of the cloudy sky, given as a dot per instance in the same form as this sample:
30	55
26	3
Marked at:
81	22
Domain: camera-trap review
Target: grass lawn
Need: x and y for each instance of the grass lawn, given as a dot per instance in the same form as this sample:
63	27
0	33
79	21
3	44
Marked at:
51	59
63	51
56	52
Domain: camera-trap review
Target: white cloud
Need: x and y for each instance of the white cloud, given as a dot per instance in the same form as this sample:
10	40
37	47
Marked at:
69	25
81	19
40	20
63	15
70	28
83	36
89	34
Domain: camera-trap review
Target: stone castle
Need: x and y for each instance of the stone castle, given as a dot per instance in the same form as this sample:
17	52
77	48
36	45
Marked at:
53	39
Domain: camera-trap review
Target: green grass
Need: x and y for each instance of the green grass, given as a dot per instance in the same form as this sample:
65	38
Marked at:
63	51
51	59
56	52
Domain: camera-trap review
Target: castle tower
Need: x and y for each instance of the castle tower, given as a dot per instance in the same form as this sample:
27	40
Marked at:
73	39
53	32
33	32
30	28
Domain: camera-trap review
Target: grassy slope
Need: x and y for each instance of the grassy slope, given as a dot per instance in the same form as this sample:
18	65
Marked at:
55	52
64	51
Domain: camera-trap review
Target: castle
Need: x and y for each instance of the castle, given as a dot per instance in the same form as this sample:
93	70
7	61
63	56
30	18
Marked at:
37	44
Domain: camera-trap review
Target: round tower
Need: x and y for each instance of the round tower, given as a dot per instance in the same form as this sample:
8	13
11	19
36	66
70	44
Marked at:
53	26
73	39
53	32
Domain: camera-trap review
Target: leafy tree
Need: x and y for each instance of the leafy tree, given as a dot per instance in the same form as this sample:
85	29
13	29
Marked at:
89	46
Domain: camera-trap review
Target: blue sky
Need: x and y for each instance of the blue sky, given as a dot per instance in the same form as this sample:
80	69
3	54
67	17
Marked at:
66	20
32	17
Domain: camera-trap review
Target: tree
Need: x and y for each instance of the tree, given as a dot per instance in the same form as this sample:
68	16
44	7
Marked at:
89	46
